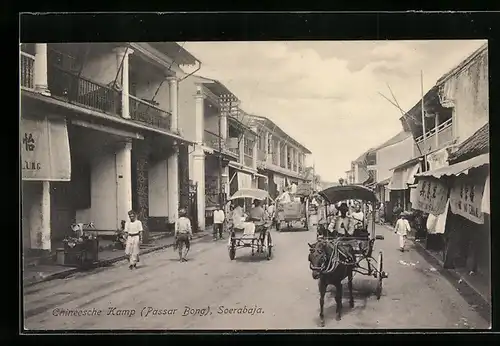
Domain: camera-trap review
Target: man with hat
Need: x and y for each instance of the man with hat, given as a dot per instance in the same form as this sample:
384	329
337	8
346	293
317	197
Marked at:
183	235
402	228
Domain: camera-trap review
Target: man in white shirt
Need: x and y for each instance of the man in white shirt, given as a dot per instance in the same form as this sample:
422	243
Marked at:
402	228
133	229
358	217
219	219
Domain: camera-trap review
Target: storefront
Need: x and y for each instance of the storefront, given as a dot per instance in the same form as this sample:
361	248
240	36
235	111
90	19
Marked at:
45	161
457	200
403	177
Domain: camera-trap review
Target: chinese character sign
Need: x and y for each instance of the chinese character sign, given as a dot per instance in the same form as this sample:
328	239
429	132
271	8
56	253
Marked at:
430	196
45	150
466	197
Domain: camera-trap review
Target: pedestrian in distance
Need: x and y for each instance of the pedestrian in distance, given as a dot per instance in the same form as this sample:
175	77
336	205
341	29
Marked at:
133	229
402	228
183	235
219	219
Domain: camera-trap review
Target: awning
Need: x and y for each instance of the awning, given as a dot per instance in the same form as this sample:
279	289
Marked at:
260	175
244	181
401	177
240	167
485	203
45	152
458	168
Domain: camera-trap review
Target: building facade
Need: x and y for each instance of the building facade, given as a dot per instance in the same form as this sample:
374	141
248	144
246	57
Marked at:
280	158
222	158
98	137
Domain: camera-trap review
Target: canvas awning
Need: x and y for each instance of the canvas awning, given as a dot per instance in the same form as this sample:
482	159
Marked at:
403	176
458	168
45	152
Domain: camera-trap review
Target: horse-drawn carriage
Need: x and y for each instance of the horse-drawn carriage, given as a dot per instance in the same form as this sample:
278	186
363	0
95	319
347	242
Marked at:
335	257
252	234
293	214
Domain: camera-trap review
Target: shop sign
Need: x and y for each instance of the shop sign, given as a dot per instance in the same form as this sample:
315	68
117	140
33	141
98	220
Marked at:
45	149
466	197
430	196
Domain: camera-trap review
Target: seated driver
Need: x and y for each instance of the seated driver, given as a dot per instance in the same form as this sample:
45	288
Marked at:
257	213
358	216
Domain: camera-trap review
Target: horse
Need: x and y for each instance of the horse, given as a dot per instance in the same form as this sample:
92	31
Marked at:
331	263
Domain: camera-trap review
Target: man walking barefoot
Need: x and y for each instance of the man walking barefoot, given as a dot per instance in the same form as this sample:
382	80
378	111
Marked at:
133	229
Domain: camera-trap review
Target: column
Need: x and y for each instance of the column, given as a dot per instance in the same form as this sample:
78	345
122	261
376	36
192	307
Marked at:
286	156
200	116
40	69
122	54
278	153
199	158
225	180
254	149
223	125
123	181
173	101
173	184
242	149
269	150
296	159
436	124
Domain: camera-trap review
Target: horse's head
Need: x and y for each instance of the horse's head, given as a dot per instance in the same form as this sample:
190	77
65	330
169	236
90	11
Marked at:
318	258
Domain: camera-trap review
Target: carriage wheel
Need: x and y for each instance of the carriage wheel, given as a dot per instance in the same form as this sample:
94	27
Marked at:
232	250
380	274
269	247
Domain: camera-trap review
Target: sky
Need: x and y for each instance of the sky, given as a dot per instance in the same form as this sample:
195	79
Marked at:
325	94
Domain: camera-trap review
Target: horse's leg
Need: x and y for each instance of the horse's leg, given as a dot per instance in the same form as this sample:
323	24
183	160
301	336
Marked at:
338	300
349	284
322	284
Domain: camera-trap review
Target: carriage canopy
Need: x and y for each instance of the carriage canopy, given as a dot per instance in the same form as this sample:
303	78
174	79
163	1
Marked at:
339	193
251	193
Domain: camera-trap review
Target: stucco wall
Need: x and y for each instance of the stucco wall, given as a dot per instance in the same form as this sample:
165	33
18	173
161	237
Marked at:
146	89
468	91
103	193
392	156
101	67
158	189
187	108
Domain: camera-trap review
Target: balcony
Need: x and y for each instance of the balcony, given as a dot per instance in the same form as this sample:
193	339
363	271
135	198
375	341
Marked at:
274	159
79	90
445	136
148	113
27	70
211	140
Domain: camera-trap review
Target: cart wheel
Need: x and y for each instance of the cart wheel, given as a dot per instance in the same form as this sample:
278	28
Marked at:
232	253
380	274
269	247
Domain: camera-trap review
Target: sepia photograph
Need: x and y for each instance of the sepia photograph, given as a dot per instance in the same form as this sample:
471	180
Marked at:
255	185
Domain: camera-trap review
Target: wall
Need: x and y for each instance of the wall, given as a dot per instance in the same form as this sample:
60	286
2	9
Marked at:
103	193
31	213
393	155
147	87
468	90
187	108
158	189
101	68
211	119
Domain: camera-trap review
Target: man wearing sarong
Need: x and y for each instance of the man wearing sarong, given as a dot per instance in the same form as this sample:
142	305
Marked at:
133	229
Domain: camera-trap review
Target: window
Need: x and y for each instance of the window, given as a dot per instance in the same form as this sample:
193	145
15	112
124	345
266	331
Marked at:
248	146
371	159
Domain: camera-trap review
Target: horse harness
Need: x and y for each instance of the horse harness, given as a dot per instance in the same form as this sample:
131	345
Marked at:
335	258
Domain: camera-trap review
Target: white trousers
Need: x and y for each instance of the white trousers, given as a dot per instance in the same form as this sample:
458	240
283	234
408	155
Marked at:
402	241
132	249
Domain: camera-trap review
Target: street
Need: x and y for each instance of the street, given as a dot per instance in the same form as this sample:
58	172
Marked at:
212	292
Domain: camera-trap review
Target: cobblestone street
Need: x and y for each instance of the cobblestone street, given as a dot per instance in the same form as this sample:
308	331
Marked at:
212	292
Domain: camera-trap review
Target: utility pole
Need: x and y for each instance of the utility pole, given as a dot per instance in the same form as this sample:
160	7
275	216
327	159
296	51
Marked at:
221	199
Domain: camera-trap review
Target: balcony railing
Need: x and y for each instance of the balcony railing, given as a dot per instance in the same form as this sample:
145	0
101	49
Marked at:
211	140
148	113
27	70
248	160
445	136
80	90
